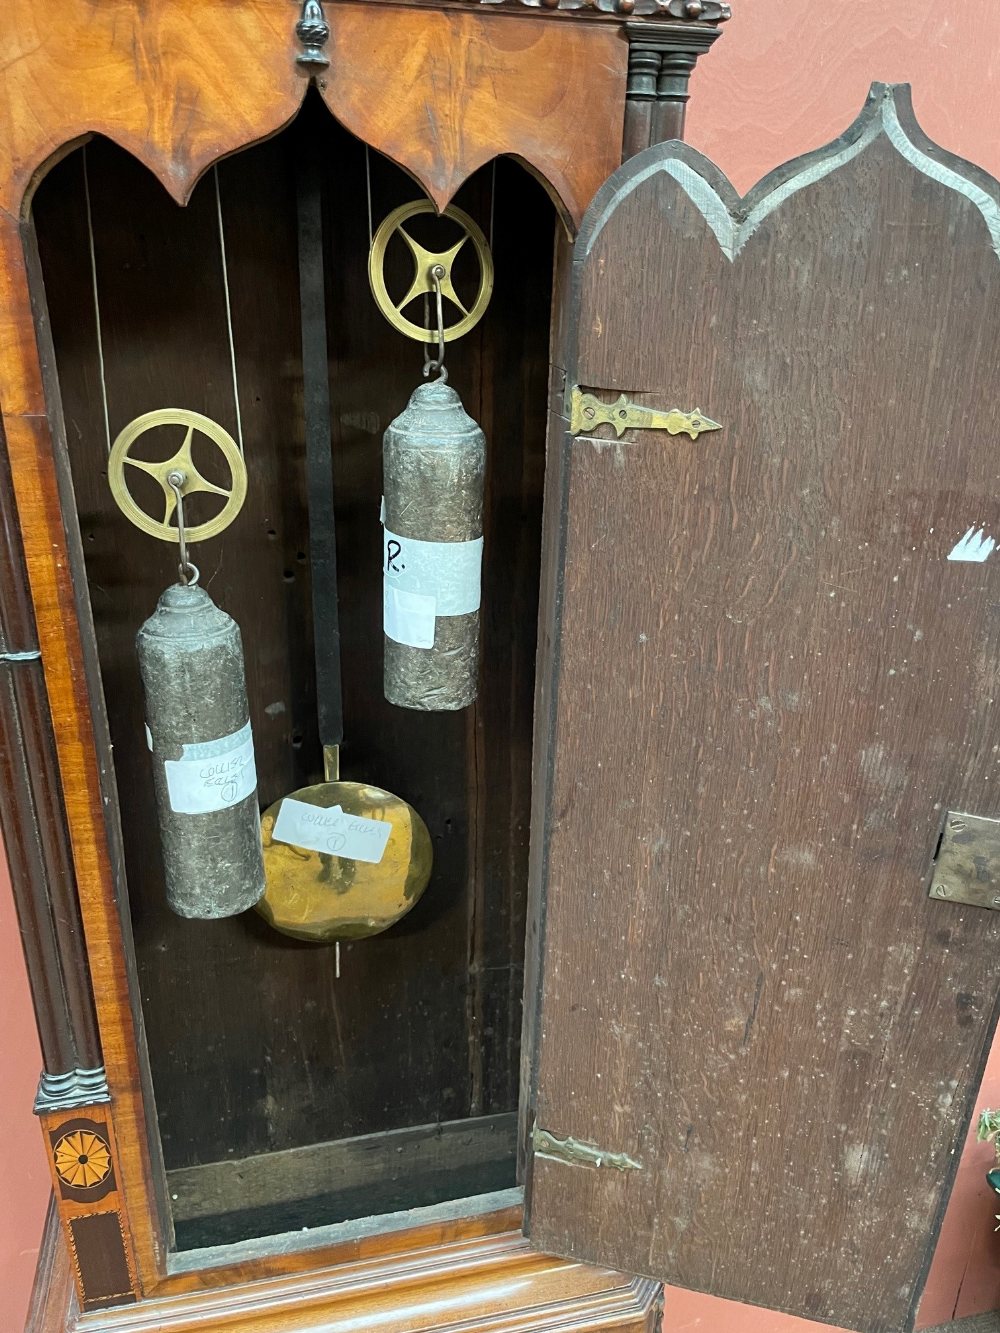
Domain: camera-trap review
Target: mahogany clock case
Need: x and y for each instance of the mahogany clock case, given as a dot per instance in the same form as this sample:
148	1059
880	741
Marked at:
287	1096
747	739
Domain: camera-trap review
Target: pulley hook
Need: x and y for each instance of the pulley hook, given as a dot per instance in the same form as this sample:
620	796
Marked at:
437	272
189	573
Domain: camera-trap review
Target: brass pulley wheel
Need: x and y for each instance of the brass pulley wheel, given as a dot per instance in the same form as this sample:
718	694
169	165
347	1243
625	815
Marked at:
427	264
179	464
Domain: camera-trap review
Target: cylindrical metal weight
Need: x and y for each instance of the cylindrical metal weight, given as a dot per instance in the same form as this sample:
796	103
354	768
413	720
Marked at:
198	729
434	463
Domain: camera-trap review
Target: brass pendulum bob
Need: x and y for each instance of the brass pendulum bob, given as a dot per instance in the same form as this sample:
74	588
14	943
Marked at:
342	860
316	893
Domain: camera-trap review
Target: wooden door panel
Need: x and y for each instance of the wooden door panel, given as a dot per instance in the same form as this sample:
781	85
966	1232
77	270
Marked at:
772	683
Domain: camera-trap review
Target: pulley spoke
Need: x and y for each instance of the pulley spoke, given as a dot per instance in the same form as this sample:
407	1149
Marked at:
154	469
197	483
432	272
182	458
420	286
183	462
416	249
449	256
424	262
449	293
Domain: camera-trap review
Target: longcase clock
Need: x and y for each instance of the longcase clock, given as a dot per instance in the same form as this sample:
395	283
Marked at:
689	975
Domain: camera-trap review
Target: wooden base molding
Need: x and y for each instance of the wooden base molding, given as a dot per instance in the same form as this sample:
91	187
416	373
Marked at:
493	1284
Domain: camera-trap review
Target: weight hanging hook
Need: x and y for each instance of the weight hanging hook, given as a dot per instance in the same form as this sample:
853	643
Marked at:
188	572
437	363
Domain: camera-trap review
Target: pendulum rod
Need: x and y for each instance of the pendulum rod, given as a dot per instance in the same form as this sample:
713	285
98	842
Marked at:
321	885
319	463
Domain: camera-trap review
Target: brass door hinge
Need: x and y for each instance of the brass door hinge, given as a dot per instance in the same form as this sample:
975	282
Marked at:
574	1153
587	411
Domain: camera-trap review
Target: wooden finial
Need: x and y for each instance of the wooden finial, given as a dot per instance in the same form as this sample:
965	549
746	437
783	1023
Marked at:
313	32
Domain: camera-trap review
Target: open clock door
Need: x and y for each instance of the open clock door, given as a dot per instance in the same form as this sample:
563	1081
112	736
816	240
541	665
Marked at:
766	966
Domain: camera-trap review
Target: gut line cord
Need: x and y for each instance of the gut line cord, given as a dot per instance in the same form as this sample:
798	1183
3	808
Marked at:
229	309
99	324
97	301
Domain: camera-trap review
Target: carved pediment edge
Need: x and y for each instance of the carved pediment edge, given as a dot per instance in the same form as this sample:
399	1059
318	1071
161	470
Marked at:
447	176
888	113
948	169
556	185
177	170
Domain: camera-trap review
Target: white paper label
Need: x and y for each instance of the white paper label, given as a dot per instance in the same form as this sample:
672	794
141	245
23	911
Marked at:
331	831
212	775
408	617
447	571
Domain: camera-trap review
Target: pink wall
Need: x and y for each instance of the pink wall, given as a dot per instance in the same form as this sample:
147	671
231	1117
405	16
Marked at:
788	76
784	78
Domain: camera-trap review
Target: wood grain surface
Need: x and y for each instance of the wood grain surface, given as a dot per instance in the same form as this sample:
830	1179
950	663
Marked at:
96	1230
178	83
465	88
772	683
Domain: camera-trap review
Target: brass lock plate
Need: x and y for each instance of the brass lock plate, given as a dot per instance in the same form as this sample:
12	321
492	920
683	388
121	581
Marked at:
967	866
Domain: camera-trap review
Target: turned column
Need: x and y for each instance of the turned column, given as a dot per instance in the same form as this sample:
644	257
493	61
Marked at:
661	59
